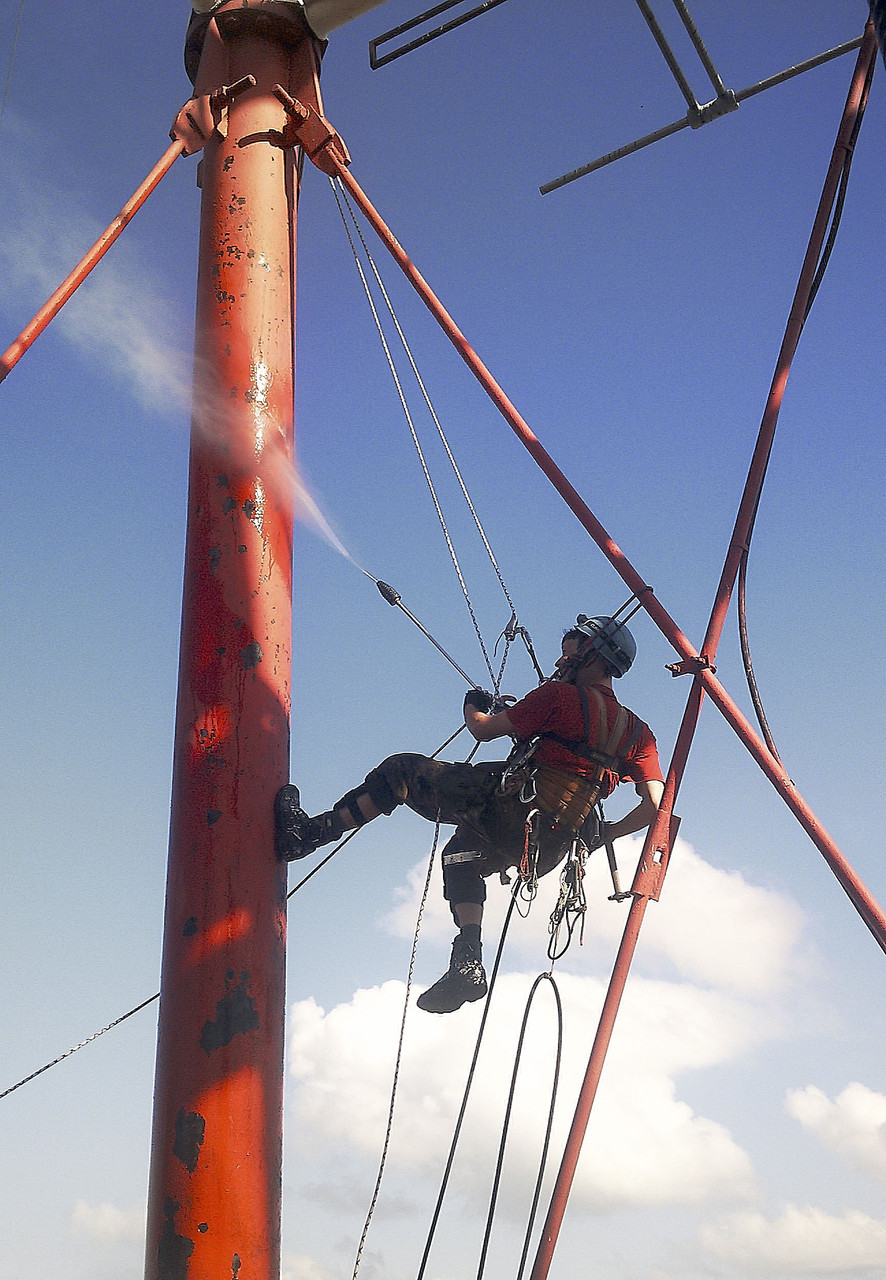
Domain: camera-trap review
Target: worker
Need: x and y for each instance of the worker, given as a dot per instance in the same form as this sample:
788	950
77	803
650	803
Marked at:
574	743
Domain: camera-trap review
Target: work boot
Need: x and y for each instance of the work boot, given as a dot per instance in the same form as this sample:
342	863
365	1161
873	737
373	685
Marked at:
296	833
463	982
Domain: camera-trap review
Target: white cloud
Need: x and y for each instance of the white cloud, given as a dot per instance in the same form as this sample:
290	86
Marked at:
118	316
802	1240
645	1146
711	925
853	1126
107	1223
297	1267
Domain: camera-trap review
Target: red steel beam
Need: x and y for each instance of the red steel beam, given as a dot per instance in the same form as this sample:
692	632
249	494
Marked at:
215	1181
54	304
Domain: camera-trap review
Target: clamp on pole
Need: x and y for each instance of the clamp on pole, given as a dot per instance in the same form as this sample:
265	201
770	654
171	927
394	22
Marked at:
200	117
312	132
691	666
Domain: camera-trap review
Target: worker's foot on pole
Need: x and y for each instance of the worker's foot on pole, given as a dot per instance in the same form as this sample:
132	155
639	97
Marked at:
463	982
296	833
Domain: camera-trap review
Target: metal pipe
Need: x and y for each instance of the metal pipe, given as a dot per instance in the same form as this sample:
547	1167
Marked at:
668	54
702	115
53	306
216	1161
704	56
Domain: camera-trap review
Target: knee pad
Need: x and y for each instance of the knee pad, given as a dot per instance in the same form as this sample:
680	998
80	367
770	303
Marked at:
389	783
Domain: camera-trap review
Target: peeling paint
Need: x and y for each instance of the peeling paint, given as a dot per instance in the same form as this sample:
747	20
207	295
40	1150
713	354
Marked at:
235	1014
190	1130
251	656
222	481
235	1266
190	927
215	555
212	816
173	1251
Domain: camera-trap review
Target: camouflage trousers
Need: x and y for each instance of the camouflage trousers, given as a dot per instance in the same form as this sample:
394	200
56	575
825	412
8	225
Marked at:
490	827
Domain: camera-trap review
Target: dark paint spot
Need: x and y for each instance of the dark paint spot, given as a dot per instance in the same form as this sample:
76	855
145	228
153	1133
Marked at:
222	481
173	1251
235	1266
215	556
229	504
251	656
203	1227
190	927
221	651
242	547
235	1014
213	815
190	1130
249	508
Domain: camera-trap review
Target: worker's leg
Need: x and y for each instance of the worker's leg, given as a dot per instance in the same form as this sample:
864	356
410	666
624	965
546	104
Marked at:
436	790
465	890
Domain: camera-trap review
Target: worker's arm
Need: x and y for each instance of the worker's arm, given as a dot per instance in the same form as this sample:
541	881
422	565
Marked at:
485	727
641	815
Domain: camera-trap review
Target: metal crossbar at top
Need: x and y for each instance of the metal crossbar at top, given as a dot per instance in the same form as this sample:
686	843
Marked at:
697	114
376	60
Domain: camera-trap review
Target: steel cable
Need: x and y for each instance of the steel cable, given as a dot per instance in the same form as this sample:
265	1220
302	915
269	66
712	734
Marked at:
342	201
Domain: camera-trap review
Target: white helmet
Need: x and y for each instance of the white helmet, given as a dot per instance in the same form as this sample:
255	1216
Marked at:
611	640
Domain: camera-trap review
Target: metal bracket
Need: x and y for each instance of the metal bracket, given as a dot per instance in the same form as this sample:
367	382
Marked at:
200	117
691	666
312	132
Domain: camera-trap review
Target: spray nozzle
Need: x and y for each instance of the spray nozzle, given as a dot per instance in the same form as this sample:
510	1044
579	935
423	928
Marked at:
388	592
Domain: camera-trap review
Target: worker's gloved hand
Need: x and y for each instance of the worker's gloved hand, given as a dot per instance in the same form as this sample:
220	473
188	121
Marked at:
479	699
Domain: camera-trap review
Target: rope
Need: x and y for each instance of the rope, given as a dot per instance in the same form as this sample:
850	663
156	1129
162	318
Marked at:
542	977
464	1102
322	863
89	1039
342	202
387	1141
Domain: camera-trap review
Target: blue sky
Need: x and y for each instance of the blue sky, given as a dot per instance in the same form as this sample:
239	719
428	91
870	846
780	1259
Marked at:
634	318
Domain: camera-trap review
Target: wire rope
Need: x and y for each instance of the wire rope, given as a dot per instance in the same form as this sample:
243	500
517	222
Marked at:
399	1057
89	1039
542	977
343	203
427	399
156	996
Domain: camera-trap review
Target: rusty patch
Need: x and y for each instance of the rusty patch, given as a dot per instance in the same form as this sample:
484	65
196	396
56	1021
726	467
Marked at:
235	1014
251	656
190	1130
173	1251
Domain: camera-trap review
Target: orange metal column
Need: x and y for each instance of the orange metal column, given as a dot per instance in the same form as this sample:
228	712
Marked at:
214	1198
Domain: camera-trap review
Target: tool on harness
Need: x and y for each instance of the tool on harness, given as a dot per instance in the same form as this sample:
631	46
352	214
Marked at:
571	906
